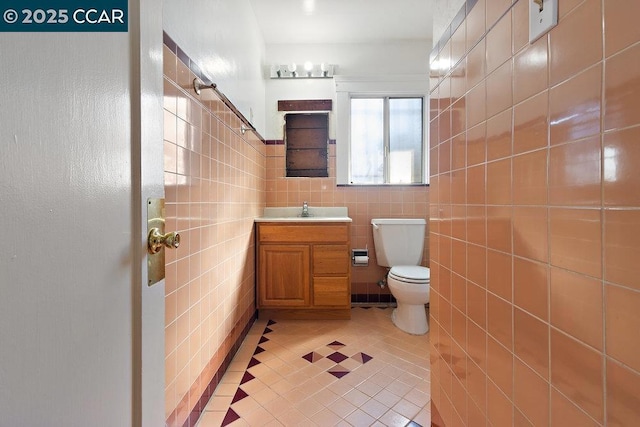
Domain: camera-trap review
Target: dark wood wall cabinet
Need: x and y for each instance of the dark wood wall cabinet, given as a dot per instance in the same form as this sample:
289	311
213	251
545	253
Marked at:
307	144
305	105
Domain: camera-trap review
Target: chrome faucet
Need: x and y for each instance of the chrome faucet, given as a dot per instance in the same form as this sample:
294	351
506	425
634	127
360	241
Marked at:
305	209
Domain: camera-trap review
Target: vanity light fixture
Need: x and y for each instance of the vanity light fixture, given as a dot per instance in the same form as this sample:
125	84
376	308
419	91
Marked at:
311	71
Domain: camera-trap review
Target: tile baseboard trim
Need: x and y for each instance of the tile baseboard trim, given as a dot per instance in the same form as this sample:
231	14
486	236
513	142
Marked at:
372	299
196	411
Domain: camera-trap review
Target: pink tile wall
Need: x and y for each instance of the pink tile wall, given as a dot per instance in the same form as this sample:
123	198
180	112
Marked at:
364	203
214	188
535	218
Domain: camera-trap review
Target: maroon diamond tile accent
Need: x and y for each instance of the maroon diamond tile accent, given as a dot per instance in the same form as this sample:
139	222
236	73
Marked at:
240	394
338	371
271	322
246	378
253	362
230	417
312	357
258	350
336	345
337	357
267	330
361	357
338	374
263	339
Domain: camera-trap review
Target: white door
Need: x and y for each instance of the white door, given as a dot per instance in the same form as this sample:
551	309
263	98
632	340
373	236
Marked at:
74	171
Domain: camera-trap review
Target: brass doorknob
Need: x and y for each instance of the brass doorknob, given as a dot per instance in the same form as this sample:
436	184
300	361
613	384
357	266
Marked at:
157	240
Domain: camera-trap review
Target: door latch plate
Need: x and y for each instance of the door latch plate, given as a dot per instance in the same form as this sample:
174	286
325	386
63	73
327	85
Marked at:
155	261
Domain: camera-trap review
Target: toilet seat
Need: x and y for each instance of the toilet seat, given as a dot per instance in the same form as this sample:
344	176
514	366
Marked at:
410	274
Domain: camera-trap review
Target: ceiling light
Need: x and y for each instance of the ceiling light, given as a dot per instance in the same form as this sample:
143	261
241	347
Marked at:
309	6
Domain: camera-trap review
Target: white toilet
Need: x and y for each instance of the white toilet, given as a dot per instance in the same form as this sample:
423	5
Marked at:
399	243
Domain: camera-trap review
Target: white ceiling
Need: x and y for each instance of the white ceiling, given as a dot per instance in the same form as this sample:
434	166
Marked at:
343	21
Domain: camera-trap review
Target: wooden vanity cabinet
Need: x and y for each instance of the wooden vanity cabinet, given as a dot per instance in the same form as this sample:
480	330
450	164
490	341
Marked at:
304	270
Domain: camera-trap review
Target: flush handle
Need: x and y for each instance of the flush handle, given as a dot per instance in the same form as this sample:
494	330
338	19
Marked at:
157	240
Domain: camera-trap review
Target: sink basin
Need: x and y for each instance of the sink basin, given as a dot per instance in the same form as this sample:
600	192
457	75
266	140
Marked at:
316	214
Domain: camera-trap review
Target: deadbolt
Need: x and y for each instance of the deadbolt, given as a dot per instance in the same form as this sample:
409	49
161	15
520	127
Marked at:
157	240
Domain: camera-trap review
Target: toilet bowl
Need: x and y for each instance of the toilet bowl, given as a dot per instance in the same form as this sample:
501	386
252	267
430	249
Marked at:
409	285
398	244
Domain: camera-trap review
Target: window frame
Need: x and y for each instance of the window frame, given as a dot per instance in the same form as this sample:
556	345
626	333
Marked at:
386	138
347	88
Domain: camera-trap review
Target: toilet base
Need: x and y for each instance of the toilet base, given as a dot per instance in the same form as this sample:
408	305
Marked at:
411	318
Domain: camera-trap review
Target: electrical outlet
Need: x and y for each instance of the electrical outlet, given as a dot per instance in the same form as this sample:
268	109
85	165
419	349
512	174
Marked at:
543	16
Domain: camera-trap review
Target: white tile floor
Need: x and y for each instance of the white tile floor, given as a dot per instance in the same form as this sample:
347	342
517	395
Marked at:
358	372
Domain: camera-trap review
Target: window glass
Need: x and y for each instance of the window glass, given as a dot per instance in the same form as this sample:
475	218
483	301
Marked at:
386	140
367	141
405	140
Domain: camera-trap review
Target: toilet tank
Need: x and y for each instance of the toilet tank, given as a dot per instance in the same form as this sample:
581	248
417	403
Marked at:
398	241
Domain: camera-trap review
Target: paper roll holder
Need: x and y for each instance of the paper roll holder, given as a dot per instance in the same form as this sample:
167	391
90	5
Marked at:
360	257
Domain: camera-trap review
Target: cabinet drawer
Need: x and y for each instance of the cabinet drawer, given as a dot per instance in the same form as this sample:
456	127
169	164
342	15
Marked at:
331	291
302	233
330	259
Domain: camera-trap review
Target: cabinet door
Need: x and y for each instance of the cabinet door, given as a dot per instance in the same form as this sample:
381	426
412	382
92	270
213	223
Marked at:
284	276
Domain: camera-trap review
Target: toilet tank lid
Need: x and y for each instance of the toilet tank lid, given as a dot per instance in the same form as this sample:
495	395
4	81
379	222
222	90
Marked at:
398	221
412	272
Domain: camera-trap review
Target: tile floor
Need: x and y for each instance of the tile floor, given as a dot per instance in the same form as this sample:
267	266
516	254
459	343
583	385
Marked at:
357	372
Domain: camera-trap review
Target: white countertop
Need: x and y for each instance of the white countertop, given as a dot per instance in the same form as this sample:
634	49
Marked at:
316	214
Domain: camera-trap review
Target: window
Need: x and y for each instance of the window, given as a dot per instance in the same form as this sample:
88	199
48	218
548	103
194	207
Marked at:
386	139
380	130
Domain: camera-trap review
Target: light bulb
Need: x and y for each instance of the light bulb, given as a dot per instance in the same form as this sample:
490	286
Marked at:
325	69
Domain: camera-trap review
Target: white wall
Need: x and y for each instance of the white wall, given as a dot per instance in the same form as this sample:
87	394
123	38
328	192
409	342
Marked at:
223	38
443	13
380	59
